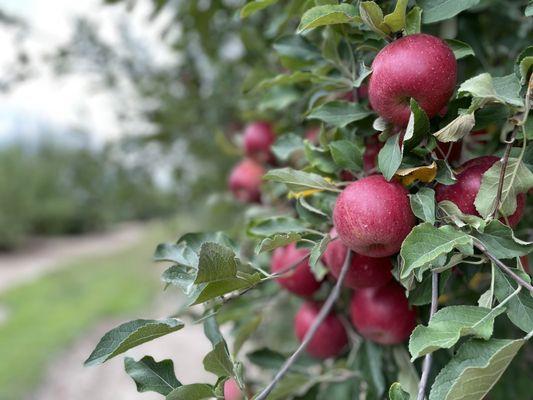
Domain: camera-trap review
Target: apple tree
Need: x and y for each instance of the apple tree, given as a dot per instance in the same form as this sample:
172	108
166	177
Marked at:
385	177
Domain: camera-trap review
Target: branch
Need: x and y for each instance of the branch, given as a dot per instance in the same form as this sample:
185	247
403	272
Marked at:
324	311
503	267
427	360
505	161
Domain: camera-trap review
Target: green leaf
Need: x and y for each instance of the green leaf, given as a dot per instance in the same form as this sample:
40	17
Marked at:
218	361
297	47
347	154
528	12
286	146
339	113
244	331
320	158
460	49
218	288
396	19
266	358
520	307
451	213
457	129
278	240
372	360
212	330
254	6
364	71
523	64
217	262
450	324
196	391
444	173
196	240
517	179
314	259
292	384
372	16
503	90
129	335
152	376
299	180
437	242
179	253
413	21
474	370
184	279
500	241
397	393
290	79
423	204
390	157
270	226
327	15
407	373
438	10
417	127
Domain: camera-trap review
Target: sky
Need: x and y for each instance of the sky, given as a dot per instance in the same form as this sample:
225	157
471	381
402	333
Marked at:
47	102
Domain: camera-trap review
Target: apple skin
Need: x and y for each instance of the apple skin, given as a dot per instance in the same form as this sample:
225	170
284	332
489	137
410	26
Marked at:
329	340
301	280
370	156
363	272
311	134
463	192
419	66
525	263
258	138
444	152
372	216
383	314
245	181
232	391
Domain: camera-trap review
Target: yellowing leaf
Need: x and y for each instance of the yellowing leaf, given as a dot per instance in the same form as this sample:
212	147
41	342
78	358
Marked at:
424	173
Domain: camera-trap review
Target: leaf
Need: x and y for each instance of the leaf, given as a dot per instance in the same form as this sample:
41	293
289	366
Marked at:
423	204
456	129
327	15
523	64
218	288
152	376
474	370
254	6
500	241
517	179
372	363
452	213
390	157
218	361
297	47
292	384
450	324
364	71
503	90
216	263
438	10
528	12
289	79
417	127
437	242
407	373
396	19
196	391
266	358
423	173
314	259
286	145
372	16
413	21
339	113
279	240
179	253
347	154
299	180
520	307
129	335
245	331
196	240
212	330
460	49
397	393
270	226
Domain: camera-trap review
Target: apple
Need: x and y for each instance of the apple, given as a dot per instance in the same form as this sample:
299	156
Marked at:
419	66
443	151
463	193
300	280
525	263
311	134
258	138
330	338
372	216
370	156
232	391
382	314
245	181
363	272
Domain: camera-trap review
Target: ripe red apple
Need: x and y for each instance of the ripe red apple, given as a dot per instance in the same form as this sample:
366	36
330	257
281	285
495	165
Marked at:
311	134
258	138
525	263
300	280
373	216
419	66
232	391
363	272
463	193
329	340
383	314
370	156
245	181
443	151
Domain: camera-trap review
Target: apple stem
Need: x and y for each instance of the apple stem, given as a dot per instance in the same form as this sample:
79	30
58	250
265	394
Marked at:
504	161
428	359
324	311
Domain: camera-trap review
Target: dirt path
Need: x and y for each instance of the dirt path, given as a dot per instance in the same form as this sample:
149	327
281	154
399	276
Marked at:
45	255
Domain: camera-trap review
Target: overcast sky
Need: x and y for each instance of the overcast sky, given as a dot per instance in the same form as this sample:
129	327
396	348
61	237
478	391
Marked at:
62	103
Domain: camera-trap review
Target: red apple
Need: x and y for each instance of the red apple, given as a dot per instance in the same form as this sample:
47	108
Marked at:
370	156
443	151
329	340
300	280
245	181
463	193
311	134
419	66
232	391
373	216
258	138
363	272
525	263
383	314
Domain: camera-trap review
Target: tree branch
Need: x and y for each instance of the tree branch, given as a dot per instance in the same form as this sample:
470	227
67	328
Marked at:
428	359
324	311
505	161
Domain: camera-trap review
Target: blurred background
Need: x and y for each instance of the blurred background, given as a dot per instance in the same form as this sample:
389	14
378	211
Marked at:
116	118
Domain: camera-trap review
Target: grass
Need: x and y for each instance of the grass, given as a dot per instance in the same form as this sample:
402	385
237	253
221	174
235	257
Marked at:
48	314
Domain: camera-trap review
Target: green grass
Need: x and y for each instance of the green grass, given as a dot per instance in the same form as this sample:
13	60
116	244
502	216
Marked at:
48	314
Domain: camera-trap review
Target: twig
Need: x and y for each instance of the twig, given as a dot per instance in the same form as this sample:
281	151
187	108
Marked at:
324	311
503	267
505	161
427	360
291	267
